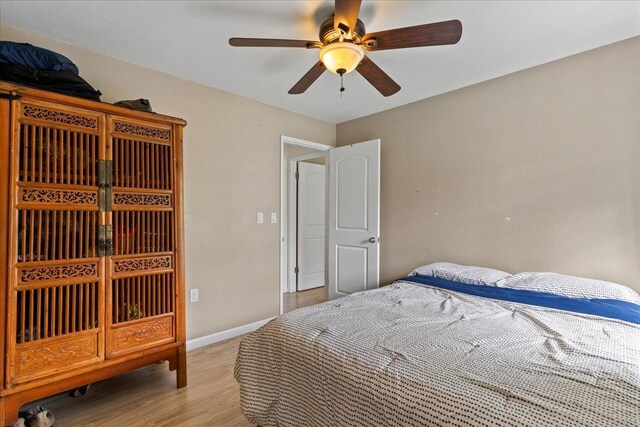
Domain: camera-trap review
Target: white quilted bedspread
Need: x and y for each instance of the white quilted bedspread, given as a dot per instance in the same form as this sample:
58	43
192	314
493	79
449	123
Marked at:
407	355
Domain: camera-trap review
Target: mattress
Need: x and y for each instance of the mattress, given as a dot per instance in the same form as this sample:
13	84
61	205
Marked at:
407	355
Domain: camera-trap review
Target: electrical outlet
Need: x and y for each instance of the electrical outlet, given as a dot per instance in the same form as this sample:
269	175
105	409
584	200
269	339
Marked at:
194	295
274	218
260	217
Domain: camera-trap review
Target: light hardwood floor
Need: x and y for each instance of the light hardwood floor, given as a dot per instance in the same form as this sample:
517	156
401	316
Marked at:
294	300
148	397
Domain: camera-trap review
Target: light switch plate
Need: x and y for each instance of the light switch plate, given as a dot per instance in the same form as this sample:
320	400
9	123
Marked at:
274	218
260	217
194	295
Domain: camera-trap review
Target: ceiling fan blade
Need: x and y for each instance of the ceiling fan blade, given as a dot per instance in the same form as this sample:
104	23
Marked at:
378	78
346	13
439	33
247	42
308	79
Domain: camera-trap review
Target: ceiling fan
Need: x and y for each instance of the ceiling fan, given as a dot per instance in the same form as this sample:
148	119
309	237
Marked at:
344	40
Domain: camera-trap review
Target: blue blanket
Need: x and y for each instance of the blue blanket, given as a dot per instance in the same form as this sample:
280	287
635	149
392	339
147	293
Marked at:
614	309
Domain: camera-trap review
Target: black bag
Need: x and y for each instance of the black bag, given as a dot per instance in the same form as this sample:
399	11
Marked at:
64	82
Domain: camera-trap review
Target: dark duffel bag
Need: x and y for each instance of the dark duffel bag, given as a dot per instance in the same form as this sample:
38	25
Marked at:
34	57
64	82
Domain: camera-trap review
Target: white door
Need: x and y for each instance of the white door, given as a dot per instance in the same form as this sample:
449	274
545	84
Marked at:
354	218
311	225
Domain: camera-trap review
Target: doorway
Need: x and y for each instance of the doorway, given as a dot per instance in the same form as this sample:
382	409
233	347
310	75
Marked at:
302	225
351	255
308	204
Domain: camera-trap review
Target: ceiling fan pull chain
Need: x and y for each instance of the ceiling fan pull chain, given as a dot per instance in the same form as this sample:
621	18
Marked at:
341	84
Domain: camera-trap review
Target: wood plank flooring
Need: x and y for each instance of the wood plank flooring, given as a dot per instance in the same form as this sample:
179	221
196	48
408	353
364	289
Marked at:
148	397
294	300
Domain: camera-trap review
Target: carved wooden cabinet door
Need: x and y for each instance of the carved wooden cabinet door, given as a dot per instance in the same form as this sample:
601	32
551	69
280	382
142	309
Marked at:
56	287
141	284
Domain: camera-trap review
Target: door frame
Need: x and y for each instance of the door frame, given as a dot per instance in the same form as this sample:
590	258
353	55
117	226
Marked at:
284	261
292	217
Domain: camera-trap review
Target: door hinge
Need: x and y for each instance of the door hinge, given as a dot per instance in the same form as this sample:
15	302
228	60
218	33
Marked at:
105	185
105	240
296	270
297	175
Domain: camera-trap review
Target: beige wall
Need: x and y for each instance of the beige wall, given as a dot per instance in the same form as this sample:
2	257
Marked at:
232	171
537	170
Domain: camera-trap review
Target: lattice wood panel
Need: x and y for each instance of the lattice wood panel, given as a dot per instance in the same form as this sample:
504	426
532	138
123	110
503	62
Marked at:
48	235
141	164
142	284
142	296
56	310
59	156
57	291
141	232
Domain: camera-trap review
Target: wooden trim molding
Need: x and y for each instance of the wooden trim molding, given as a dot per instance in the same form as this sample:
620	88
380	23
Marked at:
5	160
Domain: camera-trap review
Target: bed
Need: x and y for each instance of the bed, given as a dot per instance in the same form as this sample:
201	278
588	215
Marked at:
426	350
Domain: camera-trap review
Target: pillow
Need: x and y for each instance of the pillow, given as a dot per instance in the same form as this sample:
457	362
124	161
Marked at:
461	273
570	286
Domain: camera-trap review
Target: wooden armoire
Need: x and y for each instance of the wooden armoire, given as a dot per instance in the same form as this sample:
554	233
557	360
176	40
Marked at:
91	244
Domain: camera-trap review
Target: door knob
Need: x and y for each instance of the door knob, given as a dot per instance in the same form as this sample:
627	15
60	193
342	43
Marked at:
372	239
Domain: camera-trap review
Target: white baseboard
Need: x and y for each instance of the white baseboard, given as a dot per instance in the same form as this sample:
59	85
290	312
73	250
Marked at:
225	335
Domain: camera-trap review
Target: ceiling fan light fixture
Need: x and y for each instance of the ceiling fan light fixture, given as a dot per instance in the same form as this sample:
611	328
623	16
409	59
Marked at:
341	56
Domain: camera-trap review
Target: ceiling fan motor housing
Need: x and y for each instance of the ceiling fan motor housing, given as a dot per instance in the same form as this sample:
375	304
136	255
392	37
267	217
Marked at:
328	34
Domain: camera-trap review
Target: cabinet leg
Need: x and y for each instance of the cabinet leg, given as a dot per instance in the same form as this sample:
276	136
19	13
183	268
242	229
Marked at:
181	372
8	411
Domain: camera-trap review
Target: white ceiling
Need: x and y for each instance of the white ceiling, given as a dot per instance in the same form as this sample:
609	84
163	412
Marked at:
189	39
